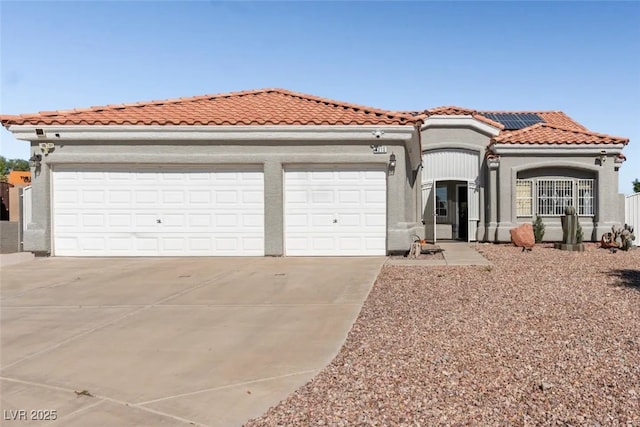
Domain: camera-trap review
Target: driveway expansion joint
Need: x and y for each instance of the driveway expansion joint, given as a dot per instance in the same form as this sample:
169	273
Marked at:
102	400
227	386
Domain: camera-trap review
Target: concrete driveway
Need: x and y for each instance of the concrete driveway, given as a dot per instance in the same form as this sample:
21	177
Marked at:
169	341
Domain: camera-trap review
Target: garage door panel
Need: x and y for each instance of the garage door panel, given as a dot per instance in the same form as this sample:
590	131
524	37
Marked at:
349	196
374	196
335	212
93	220
254	197
253	221
119	244
199	220
226	197
146	197
375	220
120	220
158	213
323	244
122	197
173	196
200	196
94	196
226	220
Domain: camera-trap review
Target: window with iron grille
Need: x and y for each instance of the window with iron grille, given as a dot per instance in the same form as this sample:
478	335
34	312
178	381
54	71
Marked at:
585	197
552	196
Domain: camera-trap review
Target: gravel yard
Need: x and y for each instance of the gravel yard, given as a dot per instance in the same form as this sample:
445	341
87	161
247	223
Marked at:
539	338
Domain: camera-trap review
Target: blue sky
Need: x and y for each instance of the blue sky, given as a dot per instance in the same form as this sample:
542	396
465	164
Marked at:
579	57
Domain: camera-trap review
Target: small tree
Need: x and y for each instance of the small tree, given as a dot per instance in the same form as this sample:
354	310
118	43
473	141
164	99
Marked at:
538	229
7	165
636	186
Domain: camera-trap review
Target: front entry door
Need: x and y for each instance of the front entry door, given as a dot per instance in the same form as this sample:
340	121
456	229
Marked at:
463	213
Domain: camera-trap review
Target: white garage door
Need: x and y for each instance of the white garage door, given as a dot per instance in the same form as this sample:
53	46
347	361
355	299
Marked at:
158	212
335	212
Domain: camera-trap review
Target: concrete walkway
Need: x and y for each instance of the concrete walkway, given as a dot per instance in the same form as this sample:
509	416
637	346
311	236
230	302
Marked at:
455	253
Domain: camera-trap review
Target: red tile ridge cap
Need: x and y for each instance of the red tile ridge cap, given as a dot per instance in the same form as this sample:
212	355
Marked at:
452	110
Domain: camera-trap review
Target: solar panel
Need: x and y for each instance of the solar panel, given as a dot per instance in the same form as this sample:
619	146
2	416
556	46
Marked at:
514	121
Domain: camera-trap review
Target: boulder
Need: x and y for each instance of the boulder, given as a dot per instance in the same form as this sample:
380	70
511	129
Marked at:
522	236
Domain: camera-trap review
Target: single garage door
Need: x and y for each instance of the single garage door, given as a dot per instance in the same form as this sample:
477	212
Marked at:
335	212
158	211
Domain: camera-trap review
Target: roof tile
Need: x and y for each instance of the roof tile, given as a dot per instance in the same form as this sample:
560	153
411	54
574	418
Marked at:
544	133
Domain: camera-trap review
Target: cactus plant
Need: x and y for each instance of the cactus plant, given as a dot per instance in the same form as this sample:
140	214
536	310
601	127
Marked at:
627	236
620	237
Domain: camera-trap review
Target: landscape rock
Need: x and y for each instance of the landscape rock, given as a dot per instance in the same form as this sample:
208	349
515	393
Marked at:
522	236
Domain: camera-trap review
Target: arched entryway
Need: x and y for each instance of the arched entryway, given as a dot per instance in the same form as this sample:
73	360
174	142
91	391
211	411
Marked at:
450	197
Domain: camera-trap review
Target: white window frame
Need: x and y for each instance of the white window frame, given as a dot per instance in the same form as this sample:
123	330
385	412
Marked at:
523	201
442	204
555	193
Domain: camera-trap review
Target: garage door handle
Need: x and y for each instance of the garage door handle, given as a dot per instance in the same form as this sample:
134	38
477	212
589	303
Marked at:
335	221
158	221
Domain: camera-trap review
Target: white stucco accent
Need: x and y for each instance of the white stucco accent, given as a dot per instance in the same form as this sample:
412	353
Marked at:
452	164
460	121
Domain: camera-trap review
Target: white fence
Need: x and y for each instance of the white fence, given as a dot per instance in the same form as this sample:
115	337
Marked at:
26	206
632	213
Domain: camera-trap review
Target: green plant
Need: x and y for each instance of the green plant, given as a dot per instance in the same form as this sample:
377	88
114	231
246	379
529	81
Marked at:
579	233
538	229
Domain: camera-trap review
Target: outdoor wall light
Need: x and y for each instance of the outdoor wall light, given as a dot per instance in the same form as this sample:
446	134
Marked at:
35	160
602	157
392	161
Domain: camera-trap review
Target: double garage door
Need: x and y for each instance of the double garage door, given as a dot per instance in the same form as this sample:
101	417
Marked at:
164	211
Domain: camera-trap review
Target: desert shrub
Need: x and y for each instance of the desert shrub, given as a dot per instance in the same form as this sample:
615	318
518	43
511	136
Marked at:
538	229
579	233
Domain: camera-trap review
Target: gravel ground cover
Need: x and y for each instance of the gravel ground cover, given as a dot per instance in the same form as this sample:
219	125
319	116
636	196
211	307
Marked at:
539	338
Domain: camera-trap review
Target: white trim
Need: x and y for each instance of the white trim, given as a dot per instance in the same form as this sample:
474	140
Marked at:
529	149
194	133
459	121
457	217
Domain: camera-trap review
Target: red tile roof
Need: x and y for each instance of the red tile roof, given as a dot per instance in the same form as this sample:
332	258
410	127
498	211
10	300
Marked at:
551	117
544	133
256	107
283	107
558	128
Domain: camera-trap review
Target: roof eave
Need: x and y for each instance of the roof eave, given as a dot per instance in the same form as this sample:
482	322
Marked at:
379	133
576	149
